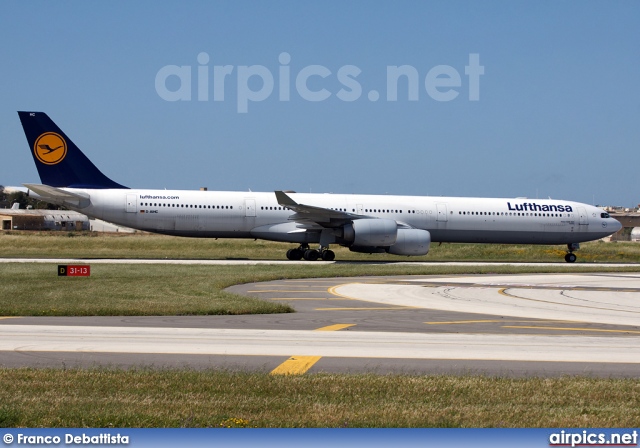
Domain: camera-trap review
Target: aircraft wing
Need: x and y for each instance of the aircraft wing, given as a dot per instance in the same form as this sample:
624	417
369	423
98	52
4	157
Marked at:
325	217
58	195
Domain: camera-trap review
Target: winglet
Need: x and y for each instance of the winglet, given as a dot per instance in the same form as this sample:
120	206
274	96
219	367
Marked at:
325	217
284	199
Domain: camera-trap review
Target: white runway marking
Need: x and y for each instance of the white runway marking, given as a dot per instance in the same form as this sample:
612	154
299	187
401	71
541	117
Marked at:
26	338
523	296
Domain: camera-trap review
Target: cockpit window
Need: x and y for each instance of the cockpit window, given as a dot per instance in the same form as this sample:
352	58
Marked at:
605	215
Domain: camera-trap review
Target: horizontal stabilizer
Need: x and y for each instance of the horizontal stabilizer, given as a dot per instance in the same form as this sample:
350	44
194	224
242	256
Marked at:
58	195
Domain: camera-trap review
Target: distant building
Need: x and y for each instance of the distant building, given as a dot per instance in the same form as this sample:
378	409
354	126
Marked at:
31	219
16	219
630	223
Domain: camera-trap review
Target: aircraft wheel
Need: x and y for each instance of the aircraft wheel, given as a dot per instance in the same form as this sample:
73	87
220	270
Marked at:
311	255
328	255
294	254
570	258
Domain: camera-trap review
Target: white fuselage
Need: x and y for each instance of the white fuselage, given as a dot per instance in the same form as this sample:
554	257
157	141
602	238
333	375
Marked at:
221	214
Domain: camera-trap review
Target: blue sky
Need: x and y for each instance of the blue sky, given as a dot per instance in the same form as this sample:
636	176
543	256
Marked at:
557	113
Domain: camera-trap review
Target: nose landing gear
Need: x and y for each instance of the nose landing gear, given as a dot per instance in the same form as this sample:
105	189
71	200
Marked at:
571	257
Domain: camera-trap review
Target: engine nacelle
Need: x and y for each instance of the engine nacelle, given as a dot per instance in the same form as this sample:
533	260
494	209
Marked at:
371	232
411	242
368	249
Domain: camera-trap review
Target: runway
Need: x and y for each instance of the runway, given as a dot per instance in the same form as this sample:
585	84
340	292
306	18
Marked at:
515	325
356	344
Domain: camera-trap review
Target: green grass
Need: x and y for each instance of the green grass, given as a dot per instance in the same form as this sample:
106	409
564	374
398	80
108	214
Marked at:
125	290
34	289
173	398
96	245
167	398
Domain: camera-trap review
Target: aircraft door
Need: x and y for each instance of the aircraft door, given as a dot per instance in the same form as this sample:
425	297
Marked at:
584	220
132	204
442	212
250	208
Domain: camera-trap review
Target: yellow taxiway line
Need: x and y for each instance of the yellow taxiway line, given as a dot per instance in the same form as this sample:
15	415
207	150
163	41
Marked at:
298	365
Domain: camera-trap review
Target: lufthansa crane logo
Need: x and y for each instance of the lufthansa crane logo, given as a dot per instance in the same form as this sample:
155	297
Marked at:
50	148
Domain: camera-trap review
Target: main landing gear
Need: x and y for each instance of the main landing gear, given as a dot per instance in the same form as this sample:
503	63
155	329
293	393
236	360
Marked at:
571	257
323	253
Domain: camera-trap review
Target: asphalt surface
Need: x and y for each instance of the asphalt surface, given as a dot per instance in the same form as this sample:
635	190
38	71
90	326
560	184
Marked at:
525	325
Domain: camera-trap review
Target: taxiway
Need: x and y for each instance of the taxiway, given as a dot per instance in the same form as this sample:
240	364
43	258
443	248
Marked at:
519	325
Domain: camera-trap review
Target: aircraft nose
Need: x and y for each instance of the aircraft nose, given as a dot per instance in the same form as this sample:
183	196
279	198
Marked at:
615	225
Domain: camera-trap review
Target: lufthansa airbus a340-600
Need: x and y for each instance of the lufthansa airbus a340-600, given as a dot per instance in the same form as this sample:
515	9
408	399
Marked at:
400	225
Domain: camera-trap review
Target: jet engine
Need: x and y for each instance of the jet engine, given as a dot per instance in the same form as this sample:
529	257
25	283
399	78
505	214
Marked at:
383	235
411	242
370	232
